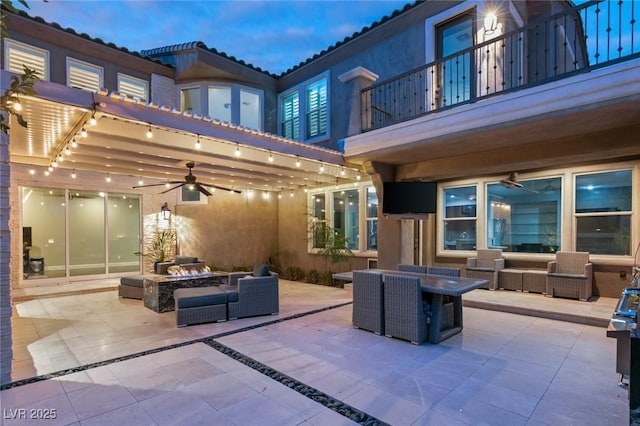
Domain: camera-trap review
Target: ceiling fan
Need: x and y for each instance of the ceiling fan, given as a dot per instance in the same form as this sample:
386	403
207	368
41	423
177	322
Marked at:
512	182
190	181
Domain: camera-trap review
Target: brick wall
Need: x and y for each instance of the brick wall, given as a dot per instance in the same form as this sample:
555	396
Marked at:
6	353
163	91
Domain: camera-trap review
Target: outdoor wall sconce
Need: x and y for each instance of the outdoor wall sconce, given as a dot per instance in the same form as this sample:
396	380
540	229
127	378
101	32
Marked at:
490	23
165	211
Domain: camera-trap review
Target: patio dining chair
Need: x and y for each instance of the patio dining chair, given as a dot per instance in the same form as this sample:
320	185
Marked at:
368	305
404	312
412	268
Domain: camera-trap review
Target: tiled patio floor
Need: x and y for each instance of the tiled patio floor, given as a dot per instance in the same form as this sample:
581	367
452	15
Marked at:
293	368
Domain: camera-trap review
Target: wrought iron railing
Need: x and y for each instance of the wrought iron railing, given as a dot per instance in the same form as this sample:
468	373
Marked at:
589	36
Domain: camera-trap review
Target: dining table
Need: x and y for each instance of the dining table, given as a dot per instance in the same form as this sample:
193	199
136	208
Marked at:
437	286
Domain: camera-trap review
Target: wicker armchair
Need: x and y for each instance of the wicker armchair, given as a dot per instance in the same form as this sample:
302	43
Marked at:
368	306
412	268
570	275
253	296
486	266
404	313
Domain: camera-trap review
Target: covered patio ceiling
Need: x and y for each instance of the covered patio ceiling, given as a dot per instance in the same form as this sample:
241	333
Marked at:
229	156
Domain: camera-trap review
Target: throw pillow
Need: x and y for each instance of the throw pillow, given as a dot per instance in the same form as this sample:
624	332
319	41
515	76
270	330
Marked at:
260	270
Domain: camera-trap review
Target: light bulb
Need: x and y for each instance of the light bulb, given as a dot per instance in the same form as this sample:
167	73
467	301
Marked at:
50	168
17	106
60	158
92	120
342	172
270	157
321	168
297	162
74	144
108	178
47	173
32	172
198	142
54	164
67	150
149	133
238	153
73	174
140	182
83	132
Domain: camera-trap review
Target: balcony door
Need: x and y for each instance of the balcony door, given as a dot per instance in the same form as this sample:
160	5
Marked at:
455	73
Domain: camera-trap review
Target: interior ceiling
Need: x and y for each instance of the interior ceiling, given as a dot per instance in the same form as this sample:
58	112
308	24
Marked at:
118	144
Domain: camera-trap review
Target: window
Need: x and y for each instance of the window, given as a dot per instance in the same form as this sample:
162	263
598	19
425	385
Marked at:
83	75
603	212
317	109
372	218
220	103
344	214
454	74
460	218
319	221
18	55
525	219
290	126
314	108
190	100
134	87
250	109
230	103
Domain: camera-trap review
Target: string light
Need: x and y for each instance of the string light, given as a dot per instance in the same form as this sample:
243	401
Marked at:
108	178
32	172
73	174
297	161
342	172
149	132
92	120
50	168
83	132
198	142
321	167
270	157
47	173
67	150
238	153
74	144
140	181
17	106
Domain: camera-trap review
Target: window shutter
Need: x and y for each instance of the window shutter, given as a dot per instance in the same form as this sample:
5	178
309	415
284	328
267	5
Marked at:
84	76
18	55
291	117
317	109
134	87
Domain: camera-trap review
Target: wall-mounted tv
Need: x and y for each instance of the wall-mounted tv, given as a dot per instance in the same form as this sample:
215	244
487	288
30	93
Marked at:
409	198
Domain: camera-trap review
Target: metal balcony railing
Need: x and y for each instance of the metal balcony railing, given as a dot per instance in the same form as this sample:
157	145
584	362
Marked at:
592	35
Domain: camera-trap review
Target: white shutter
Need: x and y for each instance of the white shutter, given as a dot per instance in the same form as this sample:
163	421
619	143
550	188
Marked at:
132	86
17	55
82	75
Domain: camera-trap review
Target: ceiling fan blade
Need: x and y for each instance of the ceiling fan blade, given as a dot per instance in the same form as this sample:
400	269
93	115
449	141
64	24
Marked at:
225	189
157	184
203	190
171	189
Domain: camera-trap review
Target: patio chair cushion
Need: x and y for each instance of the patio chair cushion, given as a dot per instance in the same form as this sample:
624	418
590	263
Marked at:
487	257
181	260
199	296
232	292
134	281
571	263
260	270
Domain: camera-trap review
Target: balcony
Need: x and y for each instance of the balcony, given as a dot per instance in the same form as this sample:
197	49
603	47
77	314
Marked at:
582	39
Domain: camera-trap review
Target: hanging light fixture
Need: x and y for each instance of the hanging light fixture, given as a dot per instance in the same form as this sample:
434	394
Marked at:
92	120
67	150
297	161
83	132
238	153
140	181
74	143
270	156
73	174
15	103
342	172
108	178
198	142
149	132
165	211
321	167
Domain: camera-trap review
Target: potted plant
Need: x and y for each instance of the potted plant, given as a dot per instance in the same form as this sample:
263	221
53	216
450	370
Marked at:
160	247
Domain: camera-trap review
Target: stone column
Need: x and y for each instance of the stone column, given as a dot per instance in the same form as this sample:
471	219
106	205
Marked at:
358	78
6	352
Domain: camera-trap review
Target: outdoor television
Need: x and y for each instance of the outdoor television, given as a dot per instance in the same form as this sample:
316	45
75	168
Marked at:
409	198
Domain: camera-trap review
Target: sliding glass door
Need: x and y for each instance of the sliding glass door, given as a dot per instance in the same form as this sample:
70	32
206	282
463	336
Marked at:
79	233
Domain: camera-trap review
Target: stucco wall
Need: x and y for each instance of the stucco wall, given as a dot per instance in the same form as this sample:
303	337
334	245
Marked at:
232	230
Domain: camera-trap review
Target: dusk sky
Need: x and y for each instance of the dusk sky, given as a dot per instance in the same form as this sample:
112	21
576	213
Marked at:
275	35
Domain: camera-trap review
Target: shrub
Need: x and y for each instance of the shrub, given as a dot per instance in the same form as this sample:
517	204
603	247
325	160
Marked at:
313	276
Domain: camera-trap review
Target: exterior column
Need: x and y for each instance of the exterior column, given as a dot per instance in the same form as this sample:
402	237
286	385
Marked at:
359	78
6	351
